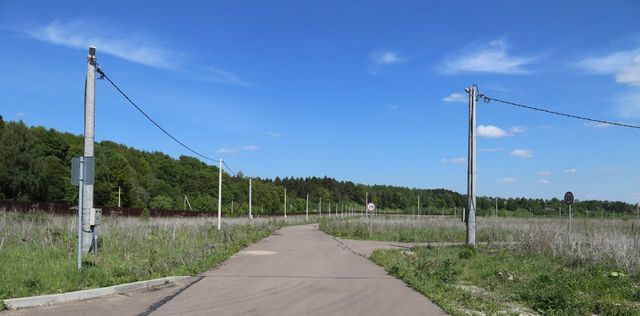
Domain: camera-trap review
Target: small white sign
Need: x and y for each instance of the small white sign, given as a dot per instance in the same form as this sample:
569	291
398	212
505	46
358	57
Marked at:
371	207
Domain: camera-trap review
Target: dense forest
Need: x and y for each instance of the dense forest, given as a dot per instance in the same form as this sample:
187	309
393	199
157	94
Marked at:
35	166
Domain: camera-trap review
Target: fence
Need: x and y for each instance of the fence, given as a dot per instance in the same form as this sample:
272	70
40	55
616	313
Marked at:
72	209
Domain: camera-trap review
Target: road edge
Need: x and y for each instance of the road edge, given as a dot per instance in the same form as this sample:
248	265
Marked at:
43	300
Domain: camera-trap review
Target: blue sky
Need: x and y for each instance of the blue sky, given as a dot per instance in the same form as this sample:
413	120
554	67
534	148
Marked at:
367	91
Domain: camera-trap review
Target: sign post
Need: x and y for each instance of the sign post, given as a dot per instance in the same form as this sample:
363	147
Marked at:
82	173
568	199
371	208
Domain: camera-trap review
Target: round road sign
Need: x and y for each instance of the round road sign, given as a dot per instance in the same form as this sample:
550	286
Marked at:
568	198
371	207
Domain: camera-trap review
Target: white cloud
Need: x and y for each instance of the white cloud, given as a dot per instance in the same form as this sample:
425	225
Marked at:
491	131
522	153
518	130
491	150
392	106
226	151
457	160
456	97
544	181
544	173
20	114
506	180
624	65
274	134
612	169
628	105
83	33
492	58
131	46
570	170
382	58
385	57
250	147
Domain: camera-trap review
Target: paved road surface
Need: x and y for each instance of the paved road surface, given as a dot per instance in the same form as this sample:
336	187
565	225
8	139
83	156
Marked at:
297	271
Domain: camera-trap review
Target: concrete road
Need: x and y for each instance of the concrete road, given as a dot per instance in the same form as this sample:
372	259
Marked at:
297	271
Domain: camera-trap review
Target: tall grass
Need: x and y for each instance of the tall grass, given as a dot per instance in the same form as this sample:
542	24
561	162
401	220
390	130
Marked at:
614	243
38	251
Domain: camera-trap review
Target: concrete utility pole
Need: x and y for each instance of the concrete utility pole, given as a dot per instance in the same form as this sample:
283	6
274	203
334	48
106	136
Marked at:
320	207
306	217
471	174
250	201
418	204
89	141
119	205
329	208
285	203
220	195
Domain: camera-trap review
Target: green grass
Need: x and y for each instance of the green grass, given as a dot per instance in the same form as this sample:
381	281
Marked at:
38	252
547	285
407	229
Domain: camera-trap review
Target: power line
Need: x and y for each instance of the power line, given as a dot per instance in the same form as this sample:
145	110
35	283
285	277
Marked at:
488	99
228	168
104	76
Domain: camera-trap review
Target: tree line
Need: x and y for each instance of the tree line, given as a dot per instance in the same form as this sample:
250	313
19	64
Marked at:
35	166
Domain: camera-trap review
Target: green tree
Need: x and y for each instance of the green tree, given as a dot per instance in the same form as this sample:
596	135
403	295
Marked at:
20	167
161	202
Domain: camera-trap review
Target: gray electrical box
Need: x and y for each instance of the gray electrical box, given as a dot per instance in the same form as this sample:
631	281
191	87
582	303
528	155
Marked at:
88	168
95	216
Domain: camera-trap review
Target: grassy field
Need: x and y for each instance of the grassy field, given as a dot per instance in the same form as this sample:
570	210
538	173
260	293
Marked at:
525	265
38	251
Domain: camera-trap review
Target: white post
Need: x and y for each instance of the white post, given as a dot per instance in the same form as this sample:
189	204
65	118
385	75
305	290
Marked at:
231	206
119	205
307	210
220	195
366	202
285	203
570	216
89	140
250	201
471	175
329	208
320	207
418	204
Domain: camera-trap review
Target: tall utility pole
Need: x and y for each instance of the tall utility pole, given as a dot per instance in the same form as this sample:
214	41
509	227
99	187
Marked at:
320	207
250	201
471	174
119	205
89	140
306	217
366	202
220	195
285	203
